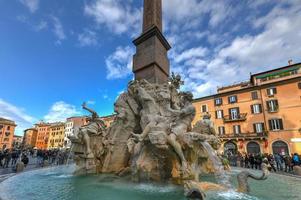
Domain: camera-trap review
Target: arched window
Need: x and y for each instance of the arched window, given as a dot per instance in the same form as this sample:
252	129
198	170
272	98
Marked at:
253	147
230	148
280	147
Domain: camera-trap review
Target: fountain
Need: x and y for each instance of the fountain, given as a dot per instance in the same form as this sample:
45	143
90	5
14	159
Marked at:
151	150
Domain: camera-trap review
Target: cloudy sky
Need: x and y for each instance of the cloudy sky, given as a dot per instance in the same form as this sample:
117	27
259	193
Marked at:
55	54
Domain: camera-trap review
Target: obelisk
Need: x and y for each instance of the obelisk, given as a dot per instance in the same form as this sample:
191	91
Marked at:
150	61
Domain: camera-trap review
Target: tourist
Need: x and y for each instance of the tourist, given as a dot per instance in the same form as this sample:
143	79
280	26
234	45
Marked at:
1	158
258	161
252	160
7	156
288	163
279	161
272	162
14	157
296	159
247	161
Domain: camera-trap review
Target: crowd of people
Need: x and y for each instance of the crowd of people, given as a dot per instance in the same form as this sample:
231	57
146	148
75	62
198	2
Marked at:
10	157
278	162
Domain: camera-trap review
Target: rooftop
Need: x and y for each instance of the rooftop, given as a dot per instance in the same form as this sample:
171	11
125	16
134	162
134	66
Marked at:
7	121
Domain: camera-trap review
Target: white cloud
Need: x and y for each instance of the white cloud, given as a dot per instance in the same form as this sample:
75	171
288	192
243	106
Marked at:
58	30
231	61
119	64
117	15
32	5
60	111
194	12
17	114
42	25
87	38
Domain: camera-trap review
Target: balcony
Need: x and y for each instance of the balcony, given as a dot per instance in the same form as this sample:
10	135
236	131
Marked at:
239	117
244	136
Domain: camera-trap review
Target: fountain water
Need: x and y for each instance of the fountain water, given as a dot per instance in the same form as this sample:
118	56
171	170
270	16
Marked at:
221	175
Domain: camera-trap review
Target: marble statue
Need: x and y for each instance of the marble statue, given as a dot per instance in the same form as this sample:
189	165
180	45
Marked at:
151	137
95	126
242	177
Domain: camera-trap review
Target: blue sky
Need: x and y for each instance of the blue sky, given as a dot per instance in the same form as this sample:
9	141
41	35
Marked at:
55	54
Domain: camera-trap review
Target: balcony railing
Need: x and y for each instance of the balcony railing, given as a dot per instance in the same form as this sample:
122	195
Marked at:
238	117
244	135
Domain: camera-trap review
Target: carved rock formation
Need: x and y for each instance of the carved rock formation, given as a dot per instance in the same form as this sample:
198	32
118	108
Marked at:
151	137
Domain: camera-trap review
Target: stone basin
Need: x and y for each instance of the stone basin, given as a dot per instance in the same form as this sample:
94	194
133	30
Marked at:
59	183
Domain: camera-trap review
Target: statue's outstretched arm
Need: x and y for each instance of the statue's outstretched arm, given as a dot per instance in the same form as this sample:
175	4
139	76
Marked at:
84	106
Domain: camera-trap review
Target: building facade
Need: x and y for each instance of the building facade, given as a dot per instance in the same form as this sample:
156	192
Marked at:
30	137
7	131
71	128
261	115
108	120
42	135
17	142
56	136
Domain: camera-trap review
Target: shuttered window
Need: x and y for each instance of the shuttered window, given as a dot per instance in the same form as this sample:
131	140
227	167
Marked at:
271	91
219	114
236	129
258	127
272	105
275	124
254	95
221	130
232	99
218	101
256	109
204	108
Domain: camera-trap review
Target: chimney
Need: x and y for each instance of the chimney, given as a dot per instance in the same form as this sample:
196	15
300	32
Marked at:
290	62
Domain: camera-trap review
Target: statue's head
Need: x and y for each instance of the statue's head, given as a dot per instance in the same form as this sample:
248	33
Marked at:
207	116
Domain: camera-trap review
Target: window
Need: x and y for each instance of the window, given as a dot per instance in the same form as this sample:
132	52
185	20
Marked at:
218	101
7	134
271	91
1	126
272	105
234	113
256	109
254	95
275	124
204	108
232	99
258	127
299	85
219	114
8	128
221	130
236	129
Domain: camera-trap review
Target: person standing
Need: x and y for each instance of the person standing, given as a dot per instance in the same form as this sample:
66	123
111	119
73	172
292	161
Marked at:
247	161
278	161
288	163
7	156
252	160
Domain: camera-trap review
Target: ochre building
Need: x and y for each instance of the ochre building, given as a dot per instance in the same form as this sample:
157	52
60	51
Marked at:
261	115
42	135
30	137
56	136
7	131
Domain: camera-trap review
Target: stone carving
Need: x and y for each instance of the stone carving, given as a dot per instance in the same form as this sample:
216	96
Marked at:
242	177
151	137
